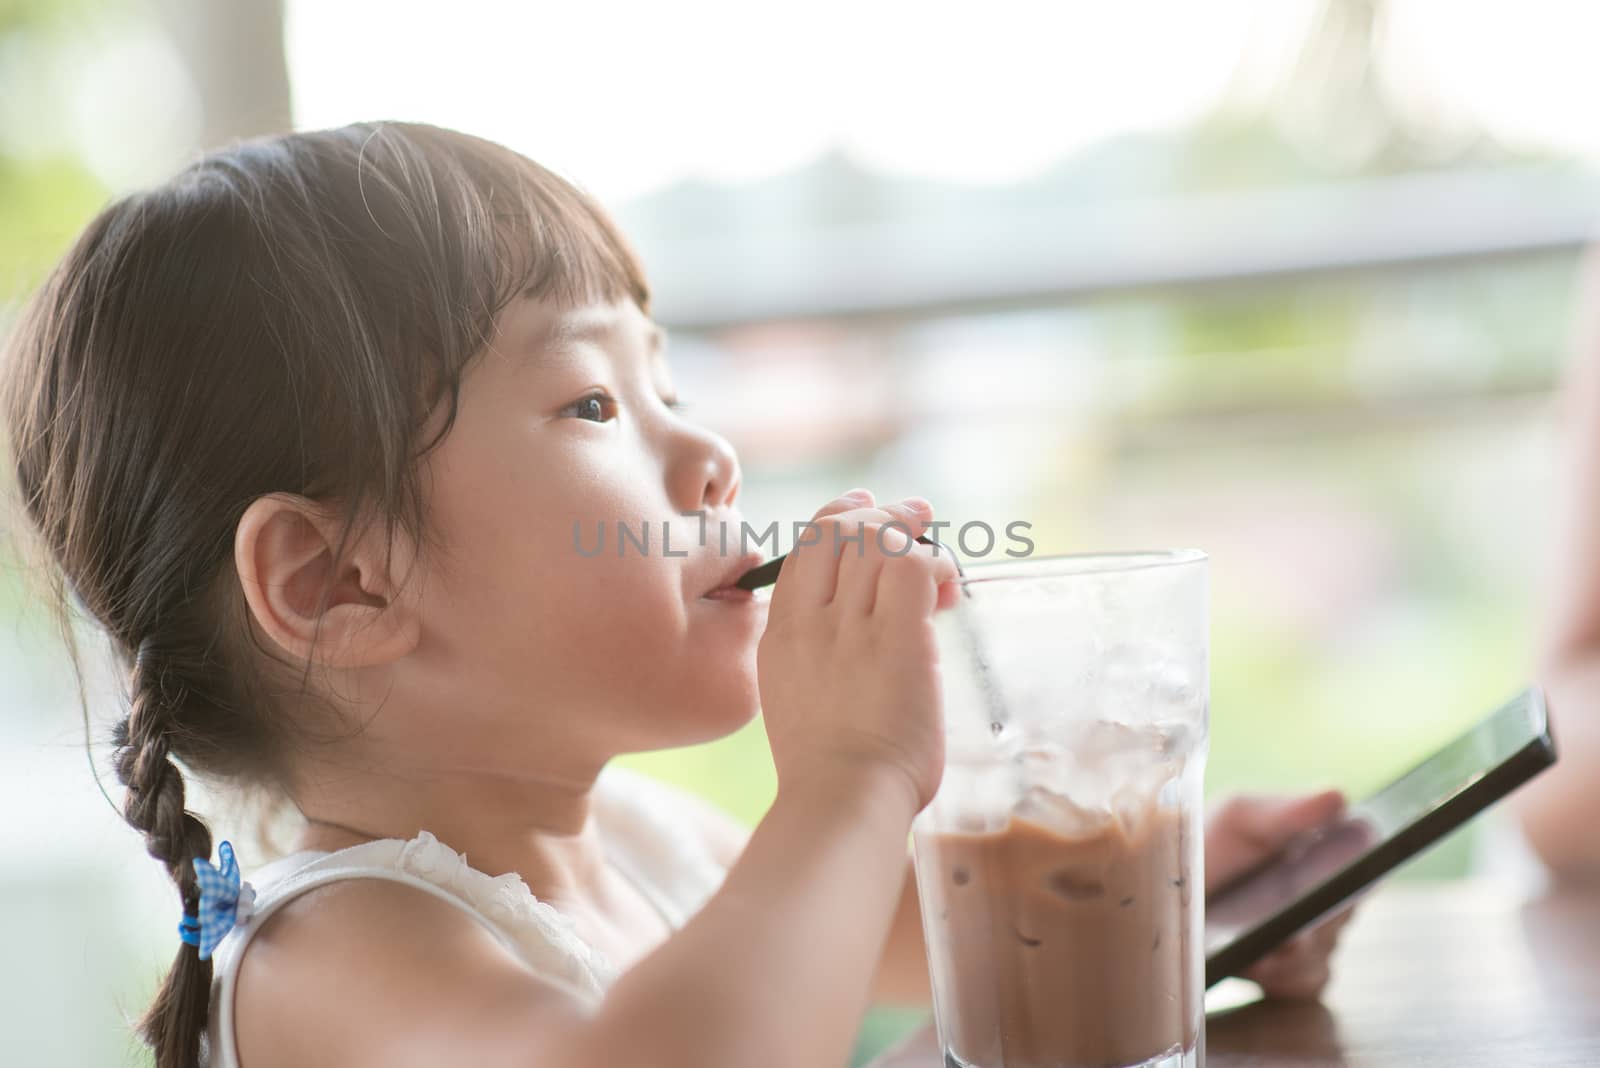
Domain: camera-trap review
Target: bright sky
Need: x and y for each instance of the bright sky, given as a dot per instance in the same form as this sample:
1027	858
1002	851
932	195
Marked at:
627	96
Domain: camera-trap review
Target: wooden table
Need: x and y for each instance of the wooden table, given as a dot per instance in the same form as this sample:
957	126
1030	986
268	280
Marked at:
1457	974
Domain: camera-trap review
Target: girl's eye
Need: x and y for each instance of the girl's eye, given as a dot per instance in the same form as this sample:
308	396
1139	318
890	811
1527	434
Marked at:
596	407
674	403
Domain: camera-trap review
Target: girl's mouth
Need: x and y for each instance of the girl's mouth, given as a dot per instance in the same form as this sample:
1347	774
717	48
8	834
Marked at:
730	593
732	572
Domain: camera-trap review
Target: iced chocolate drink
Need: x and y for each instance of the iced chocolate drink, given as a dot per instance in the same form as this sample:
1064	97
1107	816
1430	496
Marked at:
1063	937
1059	865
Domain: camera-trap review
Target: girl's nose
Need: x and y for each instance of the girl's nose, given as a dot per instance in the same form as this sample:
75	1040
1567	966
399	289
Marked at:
704	471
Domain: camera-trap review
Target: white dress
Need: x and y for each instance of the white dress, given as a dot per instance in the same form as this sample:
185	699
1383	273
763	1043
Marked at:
648	838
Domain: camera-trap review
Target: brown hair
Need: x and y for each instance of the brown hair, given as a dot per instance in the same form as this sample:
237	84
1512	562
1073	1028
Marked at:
280	316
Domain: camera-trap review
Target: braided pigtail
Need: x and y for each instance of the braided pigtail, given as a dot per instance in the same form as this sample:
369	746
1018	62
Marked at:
174	1023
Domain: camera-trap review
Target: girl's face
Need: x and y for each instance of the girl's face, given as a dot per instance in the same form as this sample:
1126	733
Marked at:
564	431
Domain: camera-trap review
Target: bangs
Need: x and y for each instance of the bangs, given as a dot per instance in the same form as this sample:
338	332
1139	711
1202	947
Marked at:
560	245
539	235
457	227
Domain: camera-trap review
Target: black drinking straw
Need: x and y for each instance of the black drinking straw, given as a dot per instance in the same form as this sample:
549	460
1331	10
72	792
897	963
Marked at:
766	574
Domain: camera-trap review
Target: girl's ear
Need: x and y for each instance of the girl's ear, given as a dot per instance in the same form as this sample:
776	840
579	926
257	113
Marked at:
283	551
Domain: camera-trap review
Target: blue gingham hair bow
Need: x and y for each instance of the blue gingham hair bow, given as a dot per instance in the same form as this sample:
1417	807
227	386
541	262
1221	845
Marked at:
224	902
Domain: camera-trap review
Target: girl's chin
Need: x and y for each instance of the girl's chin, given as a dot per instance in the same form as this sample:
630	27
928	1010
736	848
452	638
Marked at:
722	696
710	722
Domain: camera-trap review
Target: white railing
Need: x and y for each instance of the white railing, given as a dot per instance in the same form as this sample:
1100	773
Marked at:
944	265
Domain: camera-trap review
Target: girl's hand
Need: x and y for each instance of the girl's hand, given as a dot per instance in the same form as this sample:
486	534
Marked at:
1245	831
848	666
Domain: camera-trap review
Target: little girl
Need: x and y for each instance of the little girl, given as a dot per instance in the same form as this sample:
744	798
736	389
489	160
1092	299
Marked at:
311	429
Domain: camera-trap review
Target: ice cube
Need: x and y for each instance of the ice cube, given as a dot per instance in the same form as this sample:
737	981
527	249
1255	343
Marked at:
1041	759
1077	883
1108	740
1060	813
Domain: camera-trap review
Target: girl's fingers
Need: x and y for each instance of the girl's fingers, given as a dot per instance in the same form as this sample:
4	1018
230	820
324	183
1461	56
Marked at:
810	570
949	576
921	585
839	557
881	537
906	586
945	572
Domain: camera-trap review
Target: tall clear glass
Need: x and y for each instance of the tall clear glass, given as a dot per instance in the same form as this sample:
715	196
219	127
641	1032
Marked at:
1060	864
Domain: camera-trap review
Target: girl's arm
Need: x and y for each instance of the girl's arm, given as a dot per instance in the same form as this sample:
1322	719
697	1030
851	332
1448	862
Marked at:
902	975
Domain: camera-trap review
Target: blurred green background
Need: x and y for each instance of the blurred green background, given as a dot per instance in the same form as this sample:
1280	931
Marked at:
1314	326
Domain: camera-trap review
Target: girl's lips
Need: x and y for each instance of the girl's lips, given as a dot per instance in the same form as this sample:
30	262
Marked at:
735	570
730	593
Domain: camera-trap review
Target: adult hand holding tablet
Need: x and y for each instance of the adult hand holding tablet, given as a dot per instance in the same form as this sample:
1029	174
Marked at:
1321	871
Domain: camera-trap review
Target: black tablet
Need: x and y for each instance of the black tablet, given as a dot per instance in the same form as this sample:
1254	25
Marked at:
1318	873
